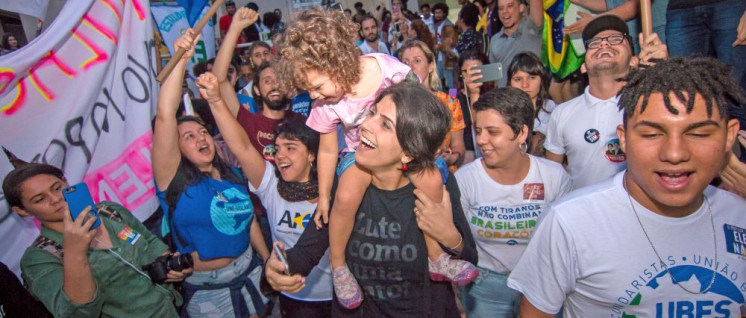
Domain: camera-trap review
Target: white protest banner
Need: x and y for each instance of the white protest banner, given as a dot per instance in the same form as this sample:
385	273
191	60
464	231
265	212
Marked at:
172	21
80	97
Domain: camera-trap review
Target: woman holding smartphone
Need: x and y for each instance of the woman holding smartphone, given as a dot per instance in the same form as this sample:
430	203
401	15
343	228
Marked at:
472	88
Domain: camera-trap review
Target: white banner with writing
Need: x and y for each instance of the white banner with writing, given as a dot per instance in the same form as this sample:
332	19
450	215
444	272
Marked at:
172	21
80	97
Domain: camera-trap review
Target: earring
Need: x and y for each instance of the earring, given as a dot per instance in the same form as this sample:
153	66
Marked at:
404	167
523	147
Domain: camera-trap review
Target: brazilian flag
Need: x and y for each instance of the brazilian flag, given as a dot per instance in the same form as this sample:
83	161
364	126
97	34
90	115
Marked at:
557	52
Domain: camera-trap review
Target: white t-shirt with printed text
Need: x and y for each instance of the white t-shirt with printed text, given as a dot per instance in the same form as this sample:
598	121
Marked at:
287	220
584	129
591	255
503	217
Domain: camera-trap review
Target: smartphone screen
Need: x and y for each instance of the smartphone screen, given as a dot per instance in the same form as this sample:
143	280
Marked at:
78	198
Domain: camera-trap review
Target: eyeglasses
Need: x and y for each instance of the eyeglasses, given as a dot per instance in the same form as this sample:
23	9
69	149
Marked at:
614	39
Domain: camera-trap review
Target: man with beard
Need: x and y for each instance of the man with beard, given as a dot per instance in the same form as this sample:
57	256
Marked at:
274	108
519	33
582	127
369	31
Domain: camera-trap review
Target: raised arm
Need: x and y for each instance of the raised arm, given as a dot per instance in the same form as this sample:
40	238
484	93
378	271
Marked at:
536	12
243	18
166	153
234	135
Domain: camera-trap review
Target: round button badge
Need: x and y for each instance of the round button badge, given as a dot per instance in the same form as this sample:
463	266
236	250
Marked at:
592	135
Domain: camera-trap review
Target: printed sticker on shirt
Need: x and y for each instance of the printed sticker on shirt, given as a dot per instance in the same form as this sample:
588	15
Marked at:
506	223
128	235
592	135
614	152
735	240
533	192
269	152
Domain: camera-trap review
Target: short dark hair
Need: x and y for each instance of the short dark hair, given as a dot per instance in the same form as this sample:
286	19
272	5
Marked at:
469	14
422	122
358	5
512	104
424	5
684	77
442	7
294	128
14	180
367	17
257	44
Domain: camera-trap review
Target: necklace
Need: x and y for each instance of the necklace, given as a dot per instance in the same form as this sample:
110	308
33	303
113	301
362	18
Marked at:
714	240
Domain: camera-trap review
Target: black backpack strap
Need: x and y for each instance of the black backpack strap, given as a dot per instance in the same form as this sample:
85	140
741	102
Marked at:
109	211
48	245
106	210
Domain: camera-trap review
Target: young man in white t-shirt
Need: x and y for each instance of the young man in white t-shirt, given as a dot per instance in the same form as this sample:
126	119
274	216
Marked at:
654	241
582	128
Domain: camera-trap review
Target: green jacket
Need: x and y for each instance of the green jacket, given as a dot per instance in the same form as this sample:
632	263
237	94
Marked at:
120	291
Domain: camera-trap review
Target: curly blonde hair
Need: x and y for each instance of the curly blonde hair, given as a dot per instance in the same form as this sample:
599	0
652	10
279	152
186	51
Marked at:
317	40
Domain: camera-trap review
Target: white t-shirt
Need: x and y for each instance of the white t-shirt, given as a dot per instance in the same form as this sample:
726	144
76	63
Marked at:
367	49
502	217
584	129
541	122
591	255
287	221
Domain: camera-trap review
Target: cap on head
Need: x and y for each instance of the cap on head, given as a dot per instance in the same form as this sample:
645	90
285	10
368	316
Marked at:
603	23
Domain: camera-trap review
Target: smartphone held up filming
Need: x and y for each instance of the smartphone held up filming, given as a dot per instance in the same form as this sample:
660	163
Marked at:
490	72
78	198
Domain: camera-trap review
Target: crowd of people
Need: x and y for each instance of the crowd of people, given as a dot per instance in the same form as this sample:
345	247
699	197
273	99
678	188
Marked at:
387	163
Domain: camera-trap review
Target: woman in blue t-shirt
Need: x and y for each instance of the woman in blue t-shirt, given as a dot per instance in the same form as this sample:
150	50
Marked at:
206	207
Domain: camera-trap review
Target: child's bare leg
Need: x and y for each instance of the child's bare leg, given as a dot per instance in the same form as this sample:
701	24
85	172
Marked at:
442	267
353	183
352	186
430	182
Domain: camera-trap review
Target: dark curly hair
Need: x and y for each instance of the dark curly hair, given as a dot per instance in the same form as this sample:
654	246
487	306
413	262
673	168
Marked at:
685	78
317	40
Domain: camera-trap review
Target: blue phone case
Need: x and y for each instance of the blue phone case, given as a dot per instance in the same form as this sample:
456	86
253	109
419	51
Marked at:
78	198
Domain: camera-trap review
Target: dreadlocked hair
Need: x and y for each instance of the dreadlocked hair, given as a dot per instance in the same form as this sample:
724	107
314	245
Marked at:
684	77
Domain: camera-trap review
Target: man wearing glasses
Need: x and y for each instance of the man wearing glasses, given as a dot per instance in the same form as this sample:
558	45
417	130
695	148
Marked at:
581	128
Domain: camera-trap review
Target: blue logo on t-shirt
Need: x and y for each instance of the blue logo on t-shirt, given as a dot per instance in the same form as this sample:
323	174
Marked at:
230	211
698	280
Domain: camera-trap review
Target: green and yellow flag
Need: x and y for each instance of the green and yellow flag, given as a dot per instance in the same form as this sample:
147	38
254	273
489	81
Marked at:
557	52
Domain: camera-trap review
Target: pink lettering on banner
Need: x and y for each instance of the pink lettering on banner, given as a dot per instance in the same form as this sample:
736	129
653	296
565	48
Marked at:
101	28
15	104
117	12
6	76
128	179
139	9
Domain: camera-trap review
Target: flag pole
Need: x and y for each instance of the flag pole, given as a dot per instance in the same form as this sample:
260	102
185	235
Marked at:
197	30
646	18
